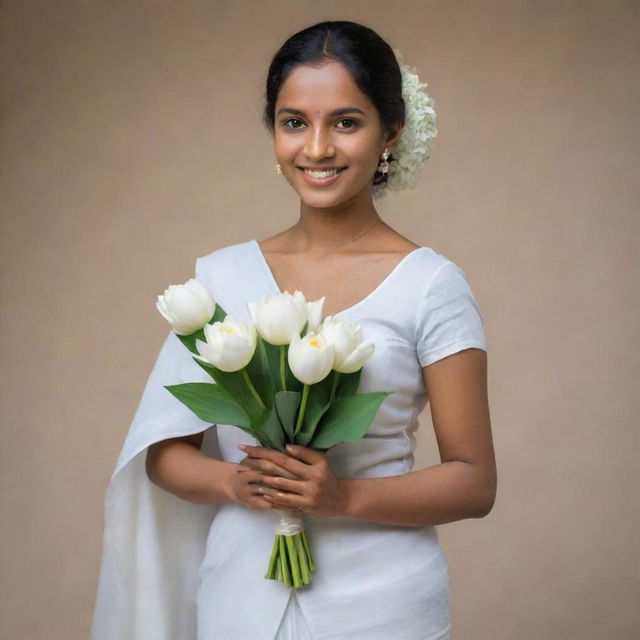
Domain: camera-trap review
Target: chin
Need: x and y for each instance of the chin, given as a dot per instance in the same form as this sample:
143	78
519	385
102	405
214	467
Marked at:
326	200
322	201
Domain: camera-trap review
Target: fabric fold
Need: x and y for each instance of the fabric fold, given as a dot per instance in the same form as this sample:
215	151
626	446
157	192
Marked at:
153	541
175	570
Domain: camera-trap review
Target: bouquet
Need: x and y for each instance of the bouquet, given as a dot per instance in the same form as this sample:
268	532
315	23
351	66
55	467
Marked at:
285	377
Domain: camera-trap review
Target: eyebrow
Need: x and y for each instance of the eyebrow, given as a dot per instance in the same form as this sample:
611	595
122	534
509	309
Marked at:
336	112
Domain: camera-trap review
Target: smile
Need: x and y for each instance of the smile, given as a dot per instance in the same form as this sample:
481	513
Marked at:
328	176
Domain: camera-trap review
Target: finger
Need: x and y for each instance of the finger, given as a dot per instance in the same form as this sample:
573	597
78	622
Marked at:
284	484
257	491
287	501
269	497
267	467
283	507
258	502
264	491
248	475
281	459
310	456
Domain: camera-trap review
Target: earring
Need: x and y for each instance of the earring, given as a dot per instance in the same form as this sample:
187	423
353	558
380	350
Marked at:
279	169
383	167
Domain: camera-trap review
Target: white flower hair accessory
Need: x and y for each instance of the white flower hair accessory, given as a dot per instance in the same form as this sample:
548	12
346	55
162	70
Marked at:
416	140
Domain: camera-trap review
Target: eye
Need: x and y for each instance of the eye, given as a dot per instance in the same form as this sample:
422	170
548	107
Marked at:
286	123
353	123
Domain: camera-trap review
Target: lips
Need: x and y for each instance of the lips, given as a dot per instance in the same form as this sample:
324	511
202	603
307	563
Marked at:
322	180
322	169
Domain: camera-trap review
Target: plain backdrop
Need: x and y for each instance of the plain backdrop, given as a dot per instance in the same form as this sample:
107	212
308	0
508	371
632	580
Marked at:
132	143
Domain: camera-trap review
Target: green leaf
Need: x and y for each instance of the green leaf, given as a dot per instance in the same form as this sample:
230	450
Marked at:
272	353
347	419
270	431
210	403
293	384
260	373
209	368
189	341
287	403
248	430
235	385
348	384
318	401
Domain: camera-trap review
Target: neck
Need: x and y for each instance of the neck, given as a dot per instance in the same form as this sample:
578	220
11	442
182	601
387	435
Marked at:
325	228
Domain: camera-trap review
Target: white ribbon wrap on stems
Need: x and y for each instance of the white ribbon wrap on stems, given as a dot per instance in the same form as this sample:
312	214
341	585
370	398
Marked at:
289	523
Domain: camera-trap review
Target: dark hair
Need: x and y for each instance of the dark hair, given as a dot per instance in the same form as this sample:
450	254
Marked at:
368	58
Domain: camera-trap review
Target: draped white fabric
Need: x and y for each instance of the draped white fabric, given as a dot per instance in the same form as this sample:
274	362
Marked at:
175	570
153	541
293	626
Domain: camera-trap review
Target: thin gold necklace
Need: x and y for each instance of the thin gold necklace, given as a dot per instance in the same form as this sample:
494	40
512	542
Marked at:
295	229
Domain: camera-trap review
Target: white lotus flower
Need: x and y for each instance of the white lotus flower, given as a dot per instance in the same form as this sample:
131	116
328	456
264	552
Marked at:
350	353
186	307
315	313
230	344
278	318
311	357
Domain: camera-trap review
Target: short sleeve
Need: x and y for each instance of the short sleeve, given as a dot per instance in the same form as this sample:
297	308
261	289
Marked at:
448	318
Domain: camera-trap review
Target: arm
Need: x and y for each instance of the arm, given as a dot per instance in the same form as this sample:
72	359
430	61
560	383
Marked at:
462	486
178	466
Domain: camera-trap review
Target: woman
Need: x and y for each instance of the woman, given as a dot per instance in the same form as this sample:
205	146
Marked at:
335	107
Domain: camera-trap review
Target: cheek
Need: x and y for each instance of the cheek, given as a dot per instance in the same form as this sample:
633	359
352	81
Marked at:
363	150
284	145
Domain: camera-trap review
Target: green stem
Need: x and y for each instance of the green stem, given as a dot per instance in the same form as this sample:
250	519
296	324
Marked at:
303	406
302	557
283	377
254	393
305	542
293	561
271	569
283	563
334	385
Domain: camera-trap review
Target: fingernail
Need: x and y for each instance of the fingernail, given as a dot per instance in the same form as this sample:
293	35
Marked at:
242	446
291	447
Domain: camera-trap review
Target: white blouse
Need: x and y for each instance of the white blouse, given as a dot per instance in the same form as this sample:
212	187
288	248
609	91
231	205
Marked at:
176	570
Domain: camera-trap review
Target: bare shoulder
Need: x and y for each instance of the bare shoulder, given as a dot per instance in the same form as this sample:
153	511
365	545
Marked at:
394	243
401	244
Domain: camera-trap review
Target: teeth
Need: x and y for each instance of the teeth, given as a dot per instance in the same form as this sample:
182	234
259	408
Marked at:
321	174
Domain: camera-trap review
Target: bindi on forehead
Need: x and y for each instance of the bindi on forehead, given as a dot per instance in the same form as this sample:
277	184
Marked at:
316	114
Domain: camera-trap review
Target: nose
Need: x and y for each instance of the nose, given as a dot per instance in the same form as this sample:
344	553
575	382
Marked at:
318	143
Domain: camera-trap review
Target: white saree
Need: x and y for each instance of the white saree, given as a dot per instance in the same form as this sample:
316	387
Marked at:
175	570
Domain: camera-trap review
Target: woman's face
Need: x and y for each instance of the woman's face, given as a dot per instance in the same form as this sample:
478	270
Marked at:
324	122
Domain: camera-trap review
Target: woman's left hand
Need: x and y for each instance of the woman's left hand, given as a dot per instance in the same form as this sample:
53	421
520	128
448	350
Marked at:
317	491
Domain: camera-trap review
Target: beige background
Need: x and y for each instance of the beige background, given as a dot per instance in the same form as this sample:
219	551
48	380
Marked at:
132	143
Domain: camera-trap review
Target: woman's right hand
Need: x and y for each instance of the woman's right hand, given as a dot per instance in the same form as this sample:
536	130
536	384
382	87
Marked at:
246	482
